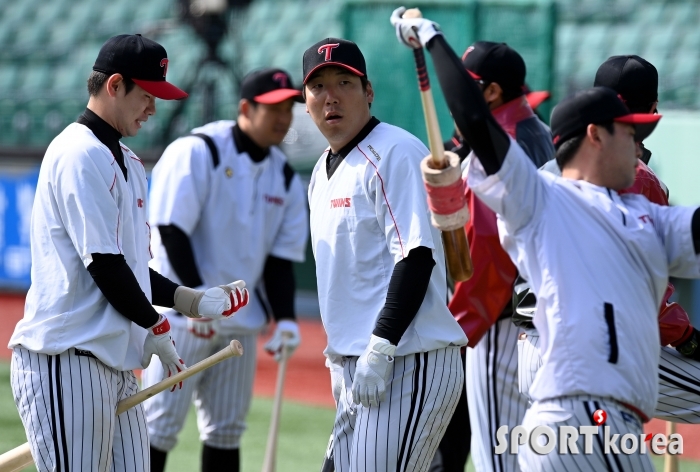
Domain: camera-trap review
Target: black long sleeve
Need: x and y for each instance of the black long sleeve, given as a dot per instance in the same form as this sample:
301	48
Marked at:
179	250
162	289
695	230
468	107
407	289
118	284
280	286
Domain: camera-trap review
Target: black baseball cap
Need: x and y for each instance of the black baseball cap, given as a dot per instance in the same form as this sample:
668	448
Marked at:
269	86
596	105
495	62
634	78
334	52
140	59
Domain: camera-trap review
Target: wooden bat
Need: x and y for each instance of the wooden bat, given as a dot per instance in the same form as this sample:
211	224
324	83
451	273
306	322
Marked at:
270	461
459	261
670	460
21	456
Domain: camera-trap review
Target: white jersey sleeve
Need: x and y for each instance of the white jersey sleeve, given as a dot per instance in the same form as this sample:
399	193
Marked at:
517	192
180	184
400	198
83	198
673	225
290	242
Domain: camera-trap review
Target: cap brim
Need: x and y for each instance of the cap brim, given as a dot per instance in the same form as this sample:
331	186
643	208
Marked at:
338	64
536	99
644	124
474	76
278	96
161	89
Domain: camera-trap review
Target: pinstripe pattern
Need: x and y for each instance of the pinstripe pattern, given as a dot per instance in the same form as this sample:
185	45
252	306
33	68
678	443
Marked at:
576	411
67	404
492	394
403	432
221	394
679	380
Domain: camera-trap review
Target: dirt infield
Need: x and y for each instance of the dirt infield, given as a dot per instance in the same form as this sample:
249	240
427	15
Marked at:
307	380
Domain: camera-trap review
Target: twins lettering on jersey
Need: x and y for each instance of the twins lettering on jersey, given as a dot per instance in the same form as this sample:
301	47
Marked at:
279	201
340	203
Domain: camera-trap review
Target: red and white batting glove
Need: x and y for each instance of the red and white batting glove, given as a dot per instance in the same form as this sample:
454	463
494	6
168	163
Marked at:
204	328
160	343
286	337
413	32
216	303
373	372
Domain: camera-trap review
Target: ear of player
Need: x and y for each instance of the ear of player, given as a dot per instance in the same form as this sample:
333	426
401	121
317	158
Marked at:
216	303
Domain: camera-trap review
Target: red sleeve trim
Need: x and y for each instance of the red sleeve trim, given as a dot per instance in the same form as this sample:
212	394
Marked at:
385	199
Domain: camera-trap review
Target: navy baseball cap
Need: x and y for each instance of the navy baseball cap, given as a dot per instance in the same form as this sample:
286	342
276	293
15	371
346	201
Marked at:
495	62
595	106
269	86
634	78
140	59
334	52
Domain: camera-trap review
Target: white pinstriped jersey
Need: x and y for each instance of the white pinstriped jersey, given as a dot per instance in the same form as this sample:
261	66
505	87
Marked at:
598	263
84	205
364	220
235	214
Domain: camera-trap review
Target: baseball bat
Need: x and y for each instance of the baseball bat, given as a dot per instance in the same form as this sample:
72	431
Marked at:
459	261
670	460
21	456
270	461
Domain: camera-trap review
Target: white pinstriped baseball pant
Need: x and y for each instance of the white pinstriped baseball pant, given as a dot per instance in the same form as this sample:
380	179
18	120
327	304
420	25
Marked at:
221	394
67	404
403	432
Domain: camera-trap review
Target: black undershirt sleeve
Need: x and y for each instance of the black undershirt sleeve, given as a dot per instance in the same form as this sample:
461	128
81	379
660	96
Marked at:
179	250
695	230
280	285
162	289
468	107
118	284
407	289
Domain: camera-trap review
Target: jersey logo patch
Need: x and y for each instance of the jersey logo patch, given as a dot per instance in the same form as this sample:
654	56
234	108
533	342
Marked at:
646	219
374	152
340	203
274	200
229	172
139	202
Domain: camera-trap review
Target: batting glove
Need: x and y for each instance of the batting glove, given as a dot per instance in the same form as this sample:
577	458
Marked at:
202	327
413	32
286	337
372	372
216	303
160	343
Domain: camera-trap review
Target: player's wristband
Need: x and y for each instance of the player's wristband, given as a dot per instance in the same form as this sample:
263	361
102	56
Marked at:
187	301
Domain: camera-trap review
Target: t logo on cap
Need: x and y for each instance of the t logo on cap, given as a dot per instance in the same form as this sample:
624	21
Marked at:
329	49
281	78
164	64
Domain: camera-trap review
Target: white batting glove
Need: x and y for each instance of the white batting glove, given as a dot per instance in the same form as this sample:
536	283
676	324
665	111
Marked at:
216	303
413	32
202	327
372	372
286	336
160	343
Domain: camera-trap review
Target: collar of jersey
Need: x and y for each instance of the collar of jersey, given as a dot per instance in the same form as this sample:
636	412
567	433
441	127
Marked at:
245	144
106	134
345	150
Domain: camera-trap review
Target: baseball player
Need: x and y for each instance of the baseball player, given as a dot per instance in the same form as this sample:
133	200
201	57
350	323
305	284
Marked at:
227	185
636	80
598	261
491	363
88	319
393	347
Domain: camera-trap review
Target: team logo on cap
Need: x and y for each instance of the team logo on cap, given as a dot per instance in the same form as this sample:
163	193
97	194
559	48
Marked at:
164	65
282	79
328	48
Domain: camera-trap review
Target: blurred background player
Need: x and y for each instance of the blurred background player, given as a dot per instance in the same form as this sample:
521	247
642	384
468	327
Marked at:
88	319
393	347
636	80
228	186
492	396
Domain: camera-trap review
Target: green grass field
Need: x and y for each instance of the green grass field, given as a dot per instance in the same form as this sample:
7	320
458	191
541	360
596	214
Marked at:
304	432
